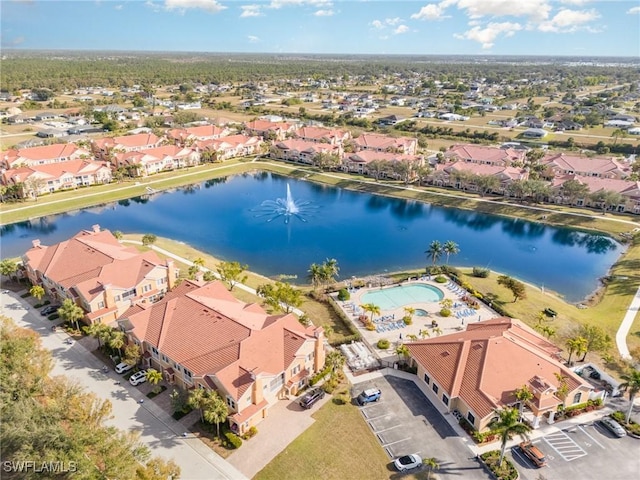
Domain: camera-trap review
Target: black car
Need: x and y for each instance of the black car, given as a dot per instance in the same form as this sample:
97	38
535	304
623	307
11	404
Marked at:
311	397
49	309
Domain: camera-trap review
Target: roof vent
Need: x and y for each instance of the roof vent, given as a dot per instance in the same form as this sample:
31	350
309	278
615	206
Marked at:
445	353
477	346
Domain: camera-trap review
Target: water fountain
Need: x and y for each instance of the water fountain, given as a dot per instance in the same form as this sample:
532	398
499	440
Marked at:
285	207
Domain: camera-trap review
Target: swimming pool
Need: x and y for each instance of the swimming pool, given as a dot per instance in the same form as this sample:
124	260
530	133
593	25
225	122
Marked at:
396	297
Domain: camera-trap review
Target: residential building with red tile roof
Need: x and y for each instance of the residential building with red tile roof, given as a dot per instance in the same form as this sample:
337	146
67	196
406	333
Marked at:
357	162
103	147
200	336
629	189
188	136
324	135
562	164
158	159
269	130
231	146
460	175
58	152
98	273
302	151
477	371
485	155
386	143
36	180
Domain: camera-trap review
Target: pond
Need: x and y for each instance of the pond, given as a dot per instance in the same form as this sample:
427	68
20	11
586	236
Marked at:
257	220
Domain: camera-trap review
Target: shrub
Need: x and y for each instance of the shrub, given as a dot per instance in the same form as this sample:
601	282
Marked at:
348	339
440	279
319	376
54	316
234	440
619	417
383	344
252	432
407	320
445	312
38	305
506	472
343	295
370	326
480	272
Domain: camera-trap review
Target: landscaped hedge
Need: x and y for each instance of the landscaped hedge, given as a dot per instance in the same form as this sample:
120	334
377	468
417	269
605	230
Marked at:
506	472
481	272
343	295
234	440
383	344
633	428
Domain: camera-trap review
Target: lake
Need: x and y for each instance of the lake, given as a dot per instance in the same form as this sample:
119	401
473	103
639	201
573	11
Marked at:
239	218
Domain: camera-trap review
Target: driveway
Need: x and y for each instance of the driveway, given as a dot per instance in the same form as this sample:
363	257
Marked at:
158	431
583	451
404	421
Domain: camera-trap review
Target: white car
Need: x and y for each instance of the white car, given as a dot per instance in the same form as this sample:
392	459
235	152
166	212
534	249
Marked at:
123	367
408	462
138	378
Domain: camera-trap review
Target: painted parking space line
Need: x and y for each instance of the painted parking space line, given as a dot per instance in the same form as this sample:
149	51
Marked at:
384	429
385	445
593	439
374	418
565	446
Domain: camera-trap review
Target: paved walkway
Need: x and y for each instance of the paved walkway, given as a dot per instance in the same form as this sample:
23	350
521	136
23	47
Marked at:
625	326
158	431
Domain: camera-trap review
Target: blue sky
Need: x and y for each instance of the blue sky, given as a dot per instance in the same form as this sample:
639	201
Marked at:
469	27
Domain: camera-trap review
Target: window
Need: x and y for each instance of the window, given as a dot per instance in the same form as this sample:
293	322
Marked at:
295	370
445	399
100	304
130	293
231	402
435	388
427	380
277	382
471	418
577	397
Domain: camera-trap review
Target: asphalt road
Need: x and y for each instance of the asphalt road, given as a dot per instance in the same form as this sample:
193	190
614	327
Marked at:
157	430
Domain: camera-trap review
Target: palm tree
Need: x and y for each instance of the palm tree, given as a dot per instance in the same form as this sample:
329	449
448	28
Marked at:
577	345
198	399
101	331
409	312
37	292
335	360
507	425
631	383
315	274
450	248
402	351
154	377
215	410
434	251
523	395
424	333
330	270
370	307
70	312
431	464
116	340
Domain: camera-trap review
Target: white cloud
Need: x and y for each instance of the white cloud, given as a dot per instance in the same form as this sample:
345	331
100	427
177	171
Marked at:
633	10
250	11
253	39
401	29
377	24
486	36
535	10
296	3
118	7
567	21
324	13
392	21
430	12
211	6
575	2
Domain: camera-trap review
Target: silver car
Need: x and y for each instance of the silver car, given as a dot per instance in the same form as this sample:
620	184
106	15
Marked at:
613	426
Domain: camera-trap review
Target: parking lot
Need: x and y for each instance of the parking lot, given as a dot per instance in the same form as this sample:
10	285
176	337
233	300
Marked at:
583	451
404	422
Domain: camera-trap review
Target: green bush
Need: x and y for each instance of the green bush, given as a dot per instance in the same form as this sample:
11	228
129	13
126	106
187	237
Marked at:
234	440
252	432
445	312
506	472
343	295
383	344
54	316
348	339
407	320
319	376
619	417
441	279
481	272
38	305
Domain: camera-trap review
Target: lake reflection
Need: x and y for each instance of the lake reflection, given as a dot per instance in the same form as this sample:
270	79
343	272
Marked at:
365	233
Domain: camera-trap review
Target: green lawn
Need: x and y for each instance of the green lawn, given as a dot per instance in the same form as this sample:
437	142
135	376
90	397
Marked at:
338	446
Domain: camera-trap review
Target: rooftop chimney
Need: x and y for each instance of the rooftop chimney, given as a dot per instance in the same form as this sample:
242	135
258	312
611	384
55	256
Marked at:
96	228
35	243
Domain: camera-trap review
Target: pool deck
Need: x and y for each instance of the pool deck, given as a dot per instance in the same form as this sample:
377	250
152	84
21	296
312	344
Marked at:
460	317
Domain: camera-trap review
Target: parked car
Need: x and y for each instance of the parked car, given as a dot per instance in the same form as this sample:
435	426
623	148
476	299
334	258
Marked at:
613	426
311	397
49	309
123	367
533	453
369	395
407	462
138	378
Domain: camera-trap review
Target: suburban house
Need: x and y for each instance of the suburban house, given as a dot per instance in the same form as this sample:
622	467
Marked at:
155	160
58	152
629	189
357	162
98	273
302	151
188	136
485	155
269	130
562	164
39	179
477	371
231	146
534	133
460	175
385	143
200	336
103	147
323	135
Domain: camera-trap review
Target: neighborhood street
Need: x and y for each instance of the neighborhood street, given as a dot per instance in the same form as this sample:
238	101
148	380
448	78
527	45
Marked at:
158	431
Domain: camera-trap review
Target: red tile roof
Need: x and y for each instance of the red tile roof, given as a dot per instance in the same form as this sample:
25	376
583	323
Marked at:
586	165
480	153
